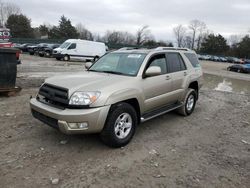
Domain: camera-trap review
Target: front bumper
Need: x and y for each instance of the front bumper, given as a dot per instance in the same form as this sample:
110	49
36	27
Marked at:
58	55
59	119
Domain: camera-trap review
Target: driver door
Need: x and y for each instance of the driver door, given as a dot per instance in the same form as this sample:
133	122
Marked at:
156	88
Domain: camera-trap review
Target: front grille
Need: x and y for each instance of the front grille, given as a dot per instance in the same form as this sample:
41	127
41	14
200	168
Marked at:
45	119
54	95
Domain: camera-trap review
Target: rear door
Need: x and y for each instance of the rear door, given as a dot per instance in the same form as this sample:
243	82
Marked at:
177	71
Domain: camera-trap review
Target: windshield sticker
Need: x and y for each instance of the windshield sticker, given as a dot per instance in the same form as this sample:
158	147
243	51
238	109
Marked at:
134	56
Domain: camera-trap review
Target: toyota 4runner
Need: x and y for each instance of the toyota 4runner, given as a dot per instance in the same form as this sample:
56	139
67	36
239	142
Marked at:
119	91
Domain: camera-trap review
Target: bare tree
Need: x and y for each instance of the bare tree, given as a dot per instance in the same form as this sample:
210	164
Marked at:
142	35
180	32
119	37
7	9
2	13
202	30
12	9
187	42
83	32
234	39
196	26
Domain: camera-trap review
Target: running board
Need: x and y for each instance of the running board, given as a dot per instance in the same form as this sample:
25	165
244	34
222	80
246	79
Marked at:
159	112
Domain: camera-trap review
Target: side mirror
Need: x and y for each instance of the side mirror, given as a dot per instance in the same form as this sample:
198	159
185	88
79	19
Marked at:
88	65
153	71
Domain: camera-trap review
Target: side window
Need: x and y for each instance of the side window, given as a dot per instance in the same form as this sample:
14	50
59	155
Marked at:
160	61
193	59
175	62
72	46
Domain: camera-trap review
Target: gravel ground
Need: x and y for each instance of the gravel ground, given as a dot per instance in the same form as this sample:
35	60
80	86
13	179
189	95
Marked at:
210	148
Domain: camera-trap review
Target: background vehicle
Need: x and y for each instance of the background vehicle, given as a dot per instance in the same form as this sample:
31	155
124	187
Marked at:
235	60
76	48
119	91
24	47
47	50
214	58
35	48
247	61
240	68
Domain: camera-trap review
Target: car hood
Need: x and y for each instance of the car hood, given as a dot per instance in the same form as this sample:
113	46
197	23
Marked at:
89	81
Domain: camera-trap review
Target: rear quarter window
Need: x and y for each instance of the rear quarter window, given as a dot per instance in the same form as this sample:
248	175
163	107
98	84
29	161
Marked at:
193	59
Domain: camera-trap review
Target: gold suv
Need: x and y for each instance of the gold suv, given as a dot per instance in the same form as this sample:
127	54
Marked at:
120	90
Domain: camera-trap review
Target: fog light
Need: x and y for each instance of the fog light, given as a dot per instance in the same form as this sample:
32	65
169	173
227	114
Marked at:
73	125
83	125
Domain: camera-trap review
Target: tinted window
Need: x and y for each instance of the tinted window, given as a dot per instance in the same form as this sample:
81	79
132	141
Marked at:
72	46
175	62
193	59
160	61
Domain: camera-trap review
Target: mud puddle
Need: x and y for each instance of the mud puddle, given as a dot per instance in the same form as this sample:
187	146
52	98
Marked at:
219	83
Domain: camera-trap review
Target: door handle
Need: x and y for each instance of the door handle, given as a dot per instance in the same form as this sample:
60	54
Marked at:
185	73
168	77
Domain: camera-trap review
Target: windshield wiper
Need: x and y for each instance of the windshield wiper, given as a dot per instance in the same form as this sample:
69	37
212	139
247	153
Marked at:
114	72
109	72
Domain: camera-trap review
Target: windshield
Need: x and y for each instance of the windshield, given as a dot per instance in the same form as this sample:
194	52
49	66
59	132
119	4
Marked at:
119	63
64	45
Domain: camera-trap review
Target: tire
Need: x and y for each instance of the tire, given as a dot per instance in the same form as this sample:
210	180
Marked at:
47	54
239	71
41	55
66	58
188	107
115	133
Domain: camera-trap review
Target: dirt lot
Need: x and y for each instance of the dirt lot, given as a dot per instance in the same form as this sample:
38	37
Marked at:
210	148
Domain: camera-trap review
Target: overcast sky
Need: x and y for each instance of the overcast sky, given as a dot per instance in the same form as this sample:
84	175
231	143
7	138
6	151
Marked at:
221	16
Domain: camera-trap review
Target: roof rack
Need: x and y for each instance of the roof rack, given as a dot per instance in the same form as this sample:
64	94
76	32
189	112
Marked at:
172	48
128	48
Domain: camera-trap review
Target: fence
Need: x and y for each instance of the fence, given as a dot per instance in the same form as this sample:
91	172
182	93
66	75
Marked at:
37	41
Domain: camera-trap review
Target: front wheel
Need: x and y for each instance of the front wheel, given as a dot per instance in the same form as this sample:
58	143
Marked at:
120	125
66	58
189	103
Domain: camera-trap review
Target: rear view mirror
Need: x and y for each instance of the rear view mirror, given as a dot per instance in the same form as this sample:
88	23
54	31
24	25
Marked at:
153	71
88	65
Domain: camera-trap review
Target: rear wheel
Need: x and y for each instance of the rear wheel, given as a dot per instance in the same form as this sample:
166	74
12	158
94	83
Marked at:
189	103
120	125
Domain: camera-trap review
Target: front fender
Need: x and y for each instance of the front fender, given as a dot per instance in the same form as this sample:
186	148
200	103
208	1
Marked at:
123	95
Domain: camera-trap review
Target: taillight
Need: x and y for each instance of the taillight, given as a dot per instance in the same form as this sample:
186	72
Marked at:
17	54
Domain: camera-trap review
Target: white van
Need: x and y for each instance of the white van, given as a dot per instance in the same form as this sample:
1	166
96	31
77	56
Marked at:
76	48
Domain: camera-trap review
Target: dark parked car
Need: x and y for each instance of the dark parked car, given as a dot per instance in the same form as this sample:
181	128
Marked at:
24	47
247	61
47	50
240	68
35	48
235	60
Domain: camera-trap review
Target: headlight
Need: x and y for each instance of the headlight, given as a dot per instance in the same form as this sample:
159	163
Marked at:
84	98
